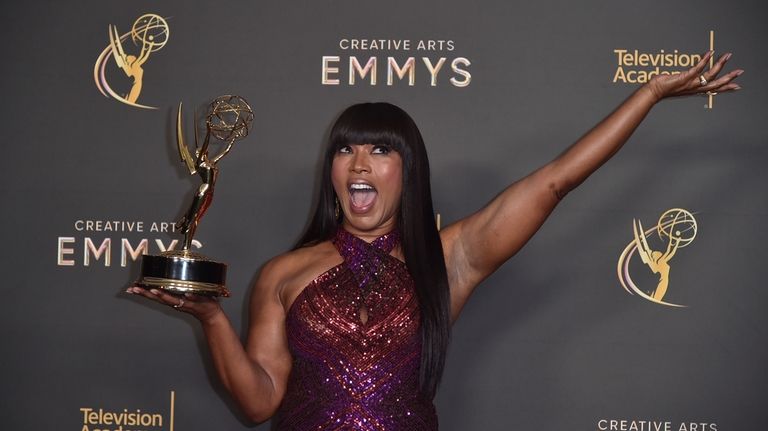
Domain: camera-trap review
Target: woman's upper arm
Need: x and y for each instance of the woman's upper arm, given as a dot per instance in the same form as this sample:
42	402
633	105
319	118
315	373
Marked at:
477	245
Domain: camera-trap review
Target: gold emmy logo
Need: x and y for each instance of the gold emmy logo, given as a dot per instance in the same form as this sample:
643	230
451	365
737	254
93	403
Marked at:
149	32
676	228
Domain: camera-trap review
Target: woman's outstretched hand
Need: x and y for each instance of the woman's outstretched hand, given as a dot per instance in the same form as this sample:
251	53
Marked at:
696	80
202	307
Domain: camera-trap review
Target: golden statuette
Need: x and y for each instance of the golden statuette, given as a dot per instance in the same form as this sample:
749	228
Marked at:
184	271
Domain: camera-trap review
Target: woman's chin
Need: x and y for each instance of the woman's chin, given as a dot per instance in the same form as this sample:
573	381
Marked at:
368	223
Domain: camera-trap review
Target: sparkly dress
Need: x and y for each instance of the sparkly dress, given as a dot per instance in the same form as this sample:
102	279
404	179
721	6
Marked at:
350	375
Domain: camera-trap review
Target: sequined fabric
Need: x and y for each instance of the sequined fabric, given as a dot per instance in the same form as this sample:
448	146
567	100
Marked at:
350	375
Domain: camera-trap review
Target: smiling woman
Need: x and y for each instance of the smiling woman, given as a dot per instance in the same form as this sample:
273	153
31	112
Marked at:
349	330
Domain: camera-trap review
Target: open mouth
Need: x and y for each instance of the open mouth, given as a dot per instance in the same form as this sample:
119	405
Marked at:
362	196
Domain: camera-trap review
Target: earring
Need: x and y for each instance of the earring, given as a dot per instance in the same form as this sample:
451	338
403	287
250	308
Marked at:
336	209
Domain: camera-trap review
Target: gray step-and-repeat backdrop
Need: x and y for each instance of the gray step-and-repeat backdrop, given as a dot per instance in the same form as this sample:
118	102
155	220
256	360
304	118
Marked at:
573	333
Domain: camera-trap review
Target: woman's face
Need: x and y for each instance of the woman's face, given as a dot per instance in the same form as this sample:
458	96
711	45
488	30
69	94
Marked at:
368	180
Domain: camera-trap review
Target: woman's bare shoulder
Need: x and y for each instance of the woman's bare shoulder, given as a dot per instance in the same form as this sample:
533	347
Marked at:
288	273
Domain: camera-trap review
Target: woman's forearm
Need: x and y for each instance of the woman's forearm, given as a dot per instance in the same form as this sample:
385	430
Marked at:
246	380
593	149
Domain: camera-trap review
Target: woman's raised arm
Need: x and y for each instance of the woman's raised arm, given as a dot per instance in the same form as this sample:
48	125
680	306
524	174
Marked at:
476	246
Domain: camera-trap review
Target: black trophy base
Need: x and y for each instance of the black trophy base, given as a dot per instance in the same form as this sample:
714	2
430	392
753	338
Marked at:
183	272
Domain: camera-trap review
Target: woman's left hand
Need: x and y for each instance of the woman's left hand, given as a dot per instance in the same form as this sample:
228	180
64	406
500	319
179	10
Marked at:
696	80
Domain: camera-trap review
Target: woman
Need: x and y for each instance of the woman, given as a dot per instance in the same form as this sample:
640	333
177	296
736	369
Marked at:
350	329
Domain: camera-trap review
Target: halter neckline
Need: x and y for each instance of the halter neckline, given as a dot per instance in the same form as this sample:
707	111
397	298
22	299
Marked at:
365	259
386	242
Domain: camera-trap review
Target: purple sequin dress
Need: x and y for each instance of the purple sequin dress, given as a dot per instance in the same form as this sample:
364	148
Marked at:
350	375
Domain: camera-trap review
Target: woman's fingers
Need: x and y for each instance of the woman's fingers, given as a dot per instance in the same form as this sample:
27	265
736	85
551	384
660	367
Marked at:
697	71
697	80
731	86
722	82
197	305
157	295
712	73
136	290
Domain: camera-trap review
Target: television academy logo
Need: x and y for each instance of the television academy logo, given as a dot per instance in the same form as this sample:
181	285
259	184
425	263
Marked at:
104	419
634	66
149	34
676	229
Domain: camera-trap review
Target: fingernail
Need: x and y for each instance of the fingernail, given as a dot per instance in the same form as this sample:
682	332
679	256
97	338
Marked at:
154	291
739	72
728	56
129	290
737	88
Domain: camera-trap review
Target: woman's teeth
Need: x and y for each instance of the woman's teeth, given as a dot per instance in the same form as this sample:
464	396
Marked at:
361	195
355	187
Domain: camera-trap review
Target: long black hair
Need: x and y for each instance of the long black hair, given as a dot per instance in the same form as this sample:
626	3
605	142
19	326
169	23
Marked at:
386	124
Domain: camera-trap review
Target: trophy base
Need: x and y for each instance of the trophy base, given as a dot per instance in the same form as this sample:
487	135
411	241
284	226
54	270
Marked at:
182	271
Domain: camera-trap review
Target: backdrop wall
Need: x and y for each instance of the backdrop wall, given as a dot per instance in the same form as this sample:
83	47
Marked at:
552	341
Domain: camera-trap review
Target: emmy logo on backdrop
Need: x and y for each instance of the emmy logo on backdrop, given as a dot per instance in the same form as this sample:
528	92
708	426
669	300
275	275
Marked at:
150	34
676	228
184	271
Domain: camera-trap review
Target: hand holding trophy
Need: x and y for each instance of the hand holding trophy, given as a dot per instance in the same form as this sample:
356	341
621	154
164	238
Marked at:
184	271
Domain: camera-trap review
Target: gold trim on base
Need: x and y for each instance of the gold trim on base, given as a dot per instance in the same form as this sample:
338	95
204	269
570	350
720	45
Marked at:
182	286
184	254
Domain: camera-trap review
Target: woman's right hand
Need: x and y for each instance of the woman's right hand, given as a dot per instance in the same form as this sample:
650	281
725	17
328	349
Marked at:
204	308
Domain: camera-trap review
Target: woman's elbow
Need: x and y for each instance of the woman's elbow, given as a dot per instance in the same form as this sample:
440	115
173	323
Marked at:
259	416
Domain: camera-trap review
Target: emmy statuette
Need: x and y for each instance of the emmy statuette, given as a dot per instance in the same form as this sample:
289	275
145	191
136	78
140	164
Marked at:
184	271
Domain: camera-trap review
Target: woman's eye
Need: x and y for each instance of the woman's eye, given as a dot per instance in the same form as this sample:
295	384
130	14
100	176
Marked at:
345	149
381	149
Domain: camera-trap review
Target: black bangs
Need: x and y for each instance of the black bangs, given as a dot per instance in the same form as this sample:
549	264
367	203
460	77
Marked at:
374	124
